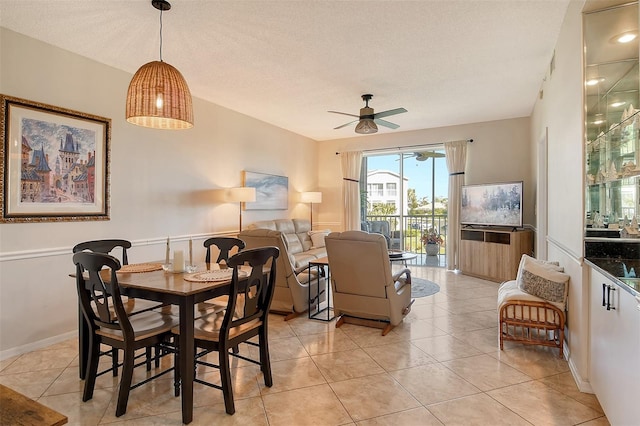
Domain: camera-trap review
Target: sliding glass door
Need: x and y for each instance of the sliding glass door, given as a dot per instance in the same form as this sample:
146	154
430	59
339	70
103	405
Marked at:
408	190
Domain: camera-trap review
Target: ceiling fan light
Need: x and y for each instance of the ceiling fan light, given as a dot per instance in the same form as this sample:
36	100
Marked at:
366	126
626	37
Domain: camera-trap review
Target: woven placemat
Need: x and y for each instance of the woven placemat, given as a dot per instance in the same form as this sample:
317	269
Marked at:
211	276
141	267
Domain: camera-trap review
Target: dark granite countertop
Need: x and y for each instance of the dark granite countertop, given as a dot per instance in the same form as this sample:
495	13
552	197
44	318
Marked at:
621	270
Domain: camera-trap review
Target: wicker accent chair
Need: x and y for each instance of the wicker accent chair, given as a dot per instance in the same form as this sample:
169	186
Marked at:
528	319
532	308
364	290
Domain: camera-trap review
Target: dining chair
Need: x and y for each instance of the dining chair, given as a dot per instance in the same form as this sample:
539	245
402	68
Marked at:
110	324
224	245
108	246
245	317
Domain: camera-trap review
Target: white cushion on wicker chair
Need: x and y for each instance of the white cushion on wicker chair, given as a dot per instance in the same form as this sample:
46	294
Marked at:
509	291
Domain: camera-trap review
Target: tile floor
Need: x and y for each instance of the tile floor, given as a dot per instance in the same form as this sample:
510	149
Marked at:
442	366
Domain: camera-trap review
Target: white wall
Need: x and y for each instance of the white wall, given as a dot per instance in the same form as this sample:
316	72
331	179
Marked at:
161	184
561	111
500	152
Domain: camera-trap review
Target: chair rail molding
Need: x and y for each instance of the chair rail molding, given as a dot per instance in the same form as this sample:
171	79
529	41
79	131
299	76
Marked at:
566	250
65	251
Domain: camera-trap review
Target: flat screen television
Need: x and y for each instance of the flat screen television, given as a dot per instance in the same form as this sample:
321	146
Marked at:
492	204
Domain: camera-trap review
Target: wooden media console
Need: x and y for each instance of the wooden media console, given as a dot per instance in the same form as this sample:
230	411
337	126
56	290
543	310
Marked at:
493	254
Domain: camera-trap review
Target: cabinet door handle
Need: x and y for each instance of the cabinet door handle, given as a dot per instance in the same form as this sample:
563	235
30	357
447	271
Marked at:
604	286
609	289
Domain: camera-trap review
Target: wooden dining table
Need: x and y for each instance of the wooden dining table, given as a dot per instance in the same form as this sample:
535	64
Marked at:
170	288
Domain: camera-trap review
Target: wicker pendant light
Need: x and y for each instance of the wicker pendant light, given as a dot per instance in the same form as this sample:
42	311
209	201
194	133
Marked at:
158	94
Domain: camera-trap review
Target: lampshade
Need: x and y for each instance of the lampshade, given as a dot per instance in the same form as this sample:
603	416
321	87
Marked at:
159	97
158	94
311	197
366	126
241	195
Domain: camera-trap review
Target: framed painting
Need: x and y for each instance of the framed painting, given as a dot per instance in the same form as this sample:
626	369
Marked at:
272	191
54	164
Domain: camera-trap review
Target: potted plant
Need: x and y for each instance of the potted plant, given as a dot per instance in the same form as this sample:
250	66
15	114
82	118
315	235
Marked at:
432	240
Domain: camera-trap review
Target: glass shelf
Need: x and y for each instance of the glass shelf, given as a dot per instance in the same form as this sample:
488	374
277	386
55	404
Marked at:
613	173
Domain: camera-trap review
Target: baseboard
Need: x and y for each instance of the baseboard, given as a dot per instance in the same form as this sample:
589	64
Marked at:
34	346
582	384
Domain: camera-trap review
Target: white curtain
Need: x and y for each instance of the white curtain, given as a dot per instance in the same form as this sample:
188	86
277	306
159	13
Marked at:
456	154
351	163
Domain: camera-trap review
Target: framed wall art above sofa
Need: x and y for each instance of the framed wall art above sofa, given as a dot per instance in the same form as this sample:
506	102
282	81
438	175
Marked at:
272	191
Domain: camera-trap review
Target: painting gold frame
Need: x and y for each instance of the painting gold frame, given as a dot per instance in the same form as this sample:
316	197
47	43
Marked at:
54	163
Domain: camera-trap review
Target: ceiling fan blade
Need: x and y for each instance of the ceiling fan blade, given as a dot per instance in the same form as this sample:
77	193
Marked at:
389	112
385	123
429	154
346	124
345	113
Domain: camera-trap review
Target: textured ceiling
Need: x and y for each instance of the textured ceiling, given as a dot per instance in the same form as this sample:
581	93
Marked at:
287	63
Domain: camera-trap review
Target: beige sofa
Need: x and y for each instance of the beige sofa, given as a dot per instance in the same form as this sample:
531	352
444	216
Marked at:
291	236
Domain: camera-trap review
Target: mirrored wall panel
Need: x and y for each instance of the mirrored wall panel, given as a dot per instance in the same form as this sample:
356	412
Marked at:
612	121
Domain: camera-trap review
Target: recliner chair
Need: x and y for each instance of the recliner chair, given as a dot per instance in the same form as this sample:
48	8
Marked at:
377	227
364	290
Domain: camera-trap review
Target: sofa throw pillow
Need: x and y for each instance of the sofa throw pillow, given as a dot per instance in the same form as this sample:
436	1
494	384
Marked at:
317	238
543	280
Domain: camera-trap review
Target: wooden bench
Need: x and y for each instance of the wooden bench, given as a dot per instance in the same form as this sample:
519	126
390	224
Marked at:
17	409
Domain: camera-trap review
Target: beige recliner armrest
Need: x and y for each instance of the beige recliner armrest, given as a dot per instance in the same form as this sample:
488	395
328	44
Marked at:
292	287
406	272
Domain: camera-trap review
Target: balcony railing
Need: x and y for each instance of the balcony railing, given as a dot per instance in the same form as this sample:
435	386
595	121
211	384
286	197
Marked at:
406	234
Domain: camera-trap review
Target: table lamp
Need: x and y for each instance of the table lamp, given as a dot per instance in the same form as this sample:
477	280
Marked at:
241	195
311	197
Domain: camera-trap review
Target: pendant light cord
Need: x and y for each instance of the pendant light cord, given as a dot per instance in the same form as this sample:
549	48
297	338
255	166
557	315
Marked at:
160	35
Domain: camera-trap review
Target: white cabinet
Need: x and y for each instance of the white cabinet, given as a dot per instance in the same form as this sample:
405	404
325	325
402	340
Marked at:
614	366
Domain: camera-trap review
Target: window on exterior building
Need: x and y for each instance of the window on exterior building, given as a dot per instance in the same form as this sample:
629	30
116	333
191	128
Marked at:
392	189
375	190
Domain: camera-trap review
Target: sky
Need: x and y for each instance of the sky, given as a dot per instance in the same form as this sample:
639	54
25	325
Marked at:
418	172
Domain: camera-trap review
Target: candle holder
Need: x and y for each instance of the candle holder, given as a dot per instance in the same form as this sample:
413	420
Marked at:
168	267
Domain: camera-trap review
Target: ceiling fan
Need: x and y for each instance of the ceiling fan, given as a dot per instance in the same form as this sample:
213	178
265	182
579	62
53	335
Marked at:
367	119
425	155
